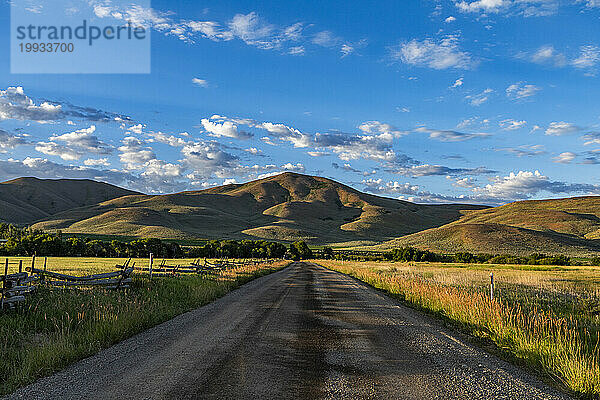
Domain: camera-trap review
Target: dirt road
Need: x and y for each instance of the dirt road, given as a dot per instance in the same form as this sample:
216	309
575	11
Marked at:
301	333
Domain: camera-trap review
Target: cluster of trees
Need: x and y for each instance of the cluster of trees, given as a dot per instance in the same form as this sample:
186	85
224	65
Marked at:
299	250
238	249
412	254
27	242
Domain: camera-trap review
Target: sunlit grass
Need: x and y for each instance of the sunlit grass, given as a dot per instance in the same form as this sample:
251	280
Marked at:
548	319
56	327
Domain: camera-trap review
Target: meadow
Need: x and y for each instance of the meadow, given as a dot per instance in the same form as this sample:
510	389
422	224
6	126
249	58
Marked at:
545	318
56	327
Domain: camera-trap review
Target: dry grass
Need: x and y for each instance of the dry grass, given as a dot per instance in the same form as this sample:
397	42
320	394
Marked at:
546	317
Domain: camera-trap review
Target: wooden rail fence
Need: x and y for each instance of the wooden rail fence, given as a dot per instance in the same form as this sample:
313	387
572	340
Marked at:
16	286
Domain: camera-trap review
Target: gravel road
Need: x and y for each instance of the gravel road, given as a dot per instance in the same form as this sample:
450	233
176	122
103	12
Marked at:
301	333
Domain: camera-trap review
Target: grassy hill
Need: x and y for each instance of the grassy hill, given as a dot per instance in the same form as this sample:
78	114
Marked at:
25	200
568	226
284	207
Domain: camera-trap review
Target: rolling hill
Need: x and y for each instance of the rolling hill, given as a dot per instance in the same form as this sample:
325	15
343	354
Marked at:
288	206
568	226
25	200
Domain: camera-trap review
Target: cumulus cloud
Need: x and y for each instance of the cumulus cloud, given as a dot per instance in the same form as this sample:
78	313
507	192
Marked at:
91	162
512	125
442	54
565	158
526	8
451	136
521	90
492	6
208	158
16	105
224	129
376	127
42	168
9	141
134	154
525	184
409	192
561	128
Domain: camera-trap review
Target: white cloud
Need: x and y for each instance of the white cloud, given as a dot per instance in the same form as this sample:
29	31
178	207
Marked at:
450	19
459	82
525	8
250	29
318	153
520	90
14	104
54	149
525	184
512	125
433	170
224	129
325	39
492	6
137	129
75	144
588	58
442	54
208	158
200	82
90	162
591	138
565	158
548	55
525	150
297	50
451	136
134	155
8	141
376	127
478	99
561	128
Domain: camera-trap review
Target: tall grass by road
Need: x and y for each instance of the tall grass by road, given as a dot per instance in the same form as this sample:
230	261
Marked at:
547	318
57	327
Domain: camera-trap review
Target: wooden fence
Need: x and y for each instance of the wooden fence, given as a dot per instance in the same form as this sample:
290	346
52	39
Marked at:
198	266
16	286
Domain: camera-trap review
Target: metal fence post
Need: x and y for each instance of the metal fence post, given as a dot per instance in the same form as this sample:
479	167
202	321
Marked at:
150	265
491	285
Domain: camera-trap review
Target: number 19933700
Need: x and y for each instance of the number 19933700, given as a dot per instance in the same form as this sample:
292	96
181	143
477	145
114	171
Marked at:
55	47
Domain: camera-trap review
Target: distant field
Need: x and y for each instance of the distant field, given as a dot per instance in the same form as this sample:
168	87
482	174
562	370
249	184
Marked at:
84	265
56	327
545	317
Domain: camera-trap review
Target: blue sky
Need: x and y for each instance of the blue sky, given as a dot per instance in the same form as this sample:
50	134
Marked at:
484	101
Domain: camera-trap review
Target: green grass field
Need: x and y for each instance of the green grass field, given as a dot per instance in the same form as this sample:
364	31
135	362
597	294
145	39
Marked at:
57	327
546	318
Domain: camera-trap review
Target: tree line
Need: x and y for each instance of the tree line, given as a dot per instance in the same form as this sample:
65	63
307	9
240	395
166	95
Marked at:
27	242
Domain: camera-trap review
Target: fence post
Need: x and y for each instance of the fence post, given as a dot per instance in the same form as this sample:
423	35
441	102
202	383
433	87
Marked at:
491	285
150	265
45	264
20	270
